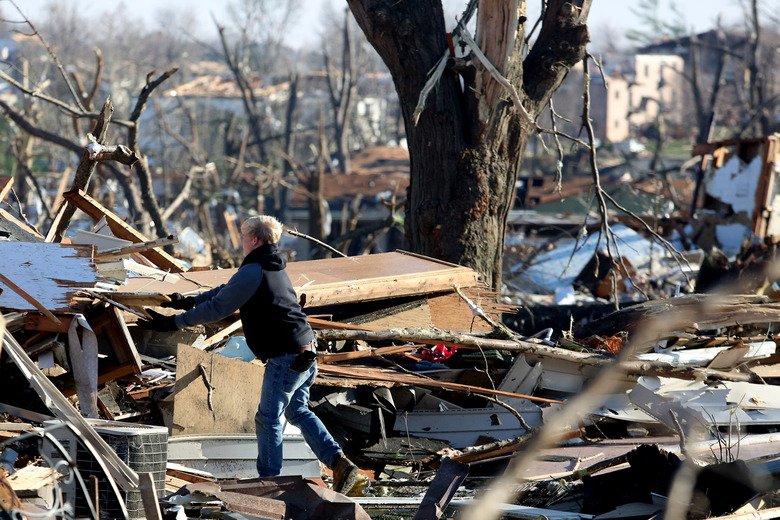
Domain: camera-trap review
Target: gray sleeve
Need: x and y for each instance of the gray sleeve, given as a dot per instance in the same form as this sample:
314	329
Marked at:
224	300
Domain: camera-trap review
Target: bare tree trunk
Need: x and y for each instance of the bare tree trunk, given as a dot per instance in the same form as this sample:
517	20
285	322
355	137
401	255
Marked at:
467	145
342	88
86	167
706	118
142	166
756	80
316	189
289	142
251	104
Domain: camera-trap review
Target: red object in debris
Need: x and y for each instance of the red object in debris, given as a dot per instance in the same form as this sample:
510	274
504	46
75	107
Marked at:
612	344
437	353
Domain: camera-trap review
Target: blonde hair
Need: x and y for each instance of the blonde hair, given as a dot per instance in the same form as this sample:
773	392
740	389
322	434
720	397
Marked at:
264	227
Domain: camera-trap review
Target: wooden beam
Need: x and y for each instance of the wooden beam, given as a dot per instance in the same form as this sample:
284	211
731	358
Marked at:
187	477
382	351
149	496
222	334
64	179
55	223
233	231
34	321
120	229
6	183
385	287
333	281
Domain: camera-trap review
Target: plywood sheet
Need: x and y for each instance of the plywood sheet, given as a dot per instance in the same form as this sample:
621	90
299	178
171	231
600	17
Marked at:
451	312
234	399
50	273
418	317
340	280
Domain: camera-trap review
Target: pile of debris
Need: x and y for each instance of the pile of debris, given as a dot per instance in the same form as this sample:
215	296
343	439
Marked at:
419	381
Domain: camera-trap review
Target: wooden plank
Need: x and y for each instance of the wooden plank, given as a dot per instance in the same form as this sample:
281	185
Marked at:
187	477
27	481
63	184
174	483
143	393
139	300
122	230
233	231
113	334
50	273
55	223
728	359
382	351
100	296
765	191
231	410
417	317
222	334
149	496
319	323
450	312
334	281
382	288
409	379
6	183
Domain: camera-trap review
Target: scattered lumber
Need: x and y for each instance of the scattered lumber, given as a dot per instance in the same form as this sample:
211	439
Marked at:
120	229
537	349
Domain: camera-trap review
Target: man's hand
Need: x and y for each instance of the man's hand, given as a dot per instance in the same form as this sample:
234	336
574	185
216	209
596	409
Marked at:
159	322
182	303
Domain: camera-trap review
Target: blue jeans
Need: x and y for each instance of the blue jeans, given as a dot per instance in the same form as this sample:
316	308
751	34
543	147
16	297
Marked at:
286	391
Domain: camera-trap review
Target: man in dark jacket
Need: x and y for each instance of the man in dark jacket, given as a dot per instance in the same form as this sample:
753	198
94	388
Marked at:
278	334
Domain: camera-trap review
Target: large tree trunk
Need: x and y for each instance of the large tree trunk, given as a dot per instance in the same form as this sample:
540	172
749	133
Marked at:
467	147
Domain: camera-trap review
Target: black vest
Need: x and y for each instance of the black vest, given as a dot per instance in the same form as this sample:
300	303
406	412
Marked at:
273	322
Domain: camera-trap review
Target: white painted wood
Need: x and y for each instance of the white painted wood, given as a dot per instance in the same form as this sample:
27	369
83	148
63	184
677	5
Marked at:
101	241
50	273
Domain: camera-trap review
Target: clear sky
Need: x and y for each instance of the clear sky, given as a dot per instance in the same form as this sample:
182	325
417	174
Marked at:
612	16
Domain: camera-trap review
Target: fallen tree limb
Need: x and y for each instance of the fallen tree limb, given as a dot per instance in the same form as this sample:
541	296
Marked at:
497	448
633	368
708	312
578	474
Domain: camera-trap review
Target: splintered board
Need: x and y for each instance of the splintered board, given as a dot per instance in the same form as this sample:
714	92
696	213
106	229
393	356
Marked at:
340	280
234	397
49	273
